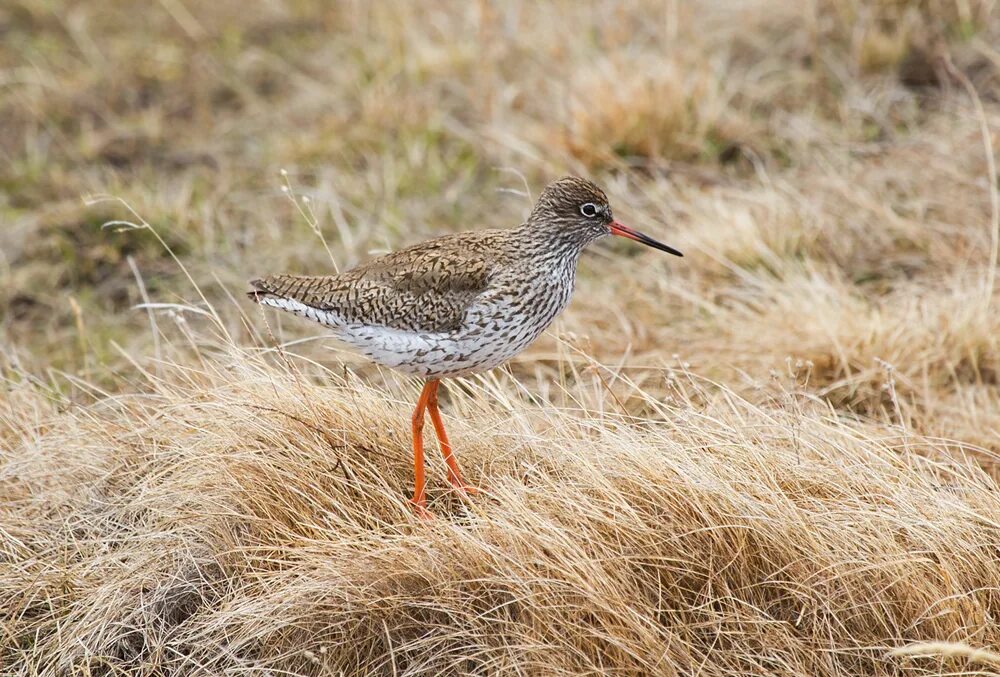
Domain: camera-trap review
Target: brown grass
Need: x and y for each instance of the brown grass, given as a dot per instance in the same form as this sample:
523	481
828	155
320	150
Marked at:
777	456
235	516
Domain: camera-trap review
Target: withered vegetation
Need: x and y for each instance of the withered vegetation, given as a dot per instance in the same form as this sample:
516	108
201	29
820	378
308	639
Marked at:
776	456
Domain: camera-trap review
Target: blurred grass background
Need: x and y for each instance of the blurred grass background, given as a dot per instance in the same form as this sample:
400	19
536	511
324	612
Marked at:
823	165
828	168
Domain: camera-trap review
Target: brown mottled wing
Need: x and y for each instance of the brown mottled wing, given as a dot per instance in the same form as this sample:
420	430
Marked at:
426	287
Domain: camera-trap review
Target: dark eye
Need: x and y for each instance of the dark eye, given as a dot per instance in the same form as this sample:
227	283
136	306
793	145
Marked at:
588	209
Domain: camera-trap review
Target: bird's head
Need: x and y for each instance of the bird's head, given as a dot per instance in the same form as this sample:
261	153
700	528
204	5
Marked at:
578	208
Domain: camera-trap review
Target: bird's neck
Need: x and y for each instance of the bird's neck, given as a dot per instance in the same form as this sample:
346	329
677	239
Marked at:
551	240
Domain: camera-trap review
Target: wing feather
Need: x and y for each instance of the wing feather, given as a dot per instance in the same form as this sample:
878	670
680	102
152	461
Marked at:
426	288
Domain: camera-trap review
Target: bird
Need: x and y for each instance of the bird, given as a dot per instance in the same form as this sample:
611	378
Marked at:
459	304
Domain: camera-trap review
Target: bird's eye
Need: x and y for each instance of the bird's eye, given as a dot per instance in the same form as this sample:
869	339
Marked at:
588	209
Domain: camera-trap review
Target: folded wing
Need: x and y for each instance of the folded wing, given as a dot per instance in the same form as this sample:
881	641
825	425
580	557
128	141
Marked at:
426	288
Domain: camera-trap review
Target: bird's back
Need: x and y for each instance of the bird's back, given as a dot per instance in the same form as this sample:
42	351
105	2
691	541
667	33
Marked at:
423	288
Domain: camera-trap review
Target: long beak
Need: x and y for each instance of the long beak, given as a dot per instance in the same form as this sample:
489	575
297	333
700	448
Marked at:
625	231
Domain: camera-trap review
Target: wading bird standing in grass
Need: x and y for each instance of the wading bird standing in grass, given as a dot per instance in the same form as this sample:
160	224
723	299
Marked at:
457	304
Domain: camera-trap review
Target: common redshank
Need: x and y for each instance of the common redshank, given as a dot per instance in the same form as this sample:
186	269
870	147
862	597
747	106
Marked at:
457	304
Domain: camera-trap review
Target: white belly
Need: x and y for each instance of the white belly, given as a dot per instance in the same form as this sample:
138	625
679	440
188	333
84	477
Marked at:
435	354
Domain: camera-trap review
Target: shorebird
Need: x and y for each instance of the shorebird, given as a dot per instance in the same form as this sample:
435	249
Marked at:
457	304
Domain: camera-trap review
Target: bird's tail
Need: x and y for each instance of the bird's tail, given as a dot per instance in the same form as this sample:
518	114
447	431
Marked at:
310	290
297	294
297	287
261	290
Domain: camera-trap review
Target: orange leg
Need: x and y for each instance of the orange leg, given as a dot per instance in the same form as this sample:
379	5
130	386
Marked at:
454	472
419	498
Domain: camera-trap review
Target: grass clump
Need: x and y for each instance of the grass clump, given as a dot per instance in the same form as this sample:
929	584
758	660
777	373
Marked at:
258	522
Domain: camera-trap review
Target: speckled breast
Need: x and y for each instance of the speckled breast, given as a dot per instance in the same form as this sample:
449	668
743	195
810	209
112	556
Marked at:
496	327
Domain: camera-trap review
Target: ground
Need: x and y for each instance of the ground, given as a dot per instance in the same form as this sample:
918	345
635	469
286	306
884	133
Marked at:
775	456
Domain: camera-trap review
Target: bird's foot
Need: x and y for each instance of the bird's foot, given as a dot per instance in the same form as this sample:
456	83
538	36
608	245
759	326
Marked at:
420	508
459	485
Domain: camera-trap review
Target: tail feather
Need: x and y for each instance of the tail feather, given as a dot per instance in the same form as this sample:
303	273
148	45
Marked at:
294	287
291	293
260	290
310	290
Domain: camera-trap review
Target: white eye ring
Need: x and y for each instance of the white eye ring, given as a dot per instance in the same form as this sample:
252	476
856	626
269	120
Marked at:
589	209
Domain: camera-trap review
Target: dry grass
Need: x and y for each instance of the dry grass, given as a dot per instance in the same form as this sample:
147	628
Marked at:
234	516
777	456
